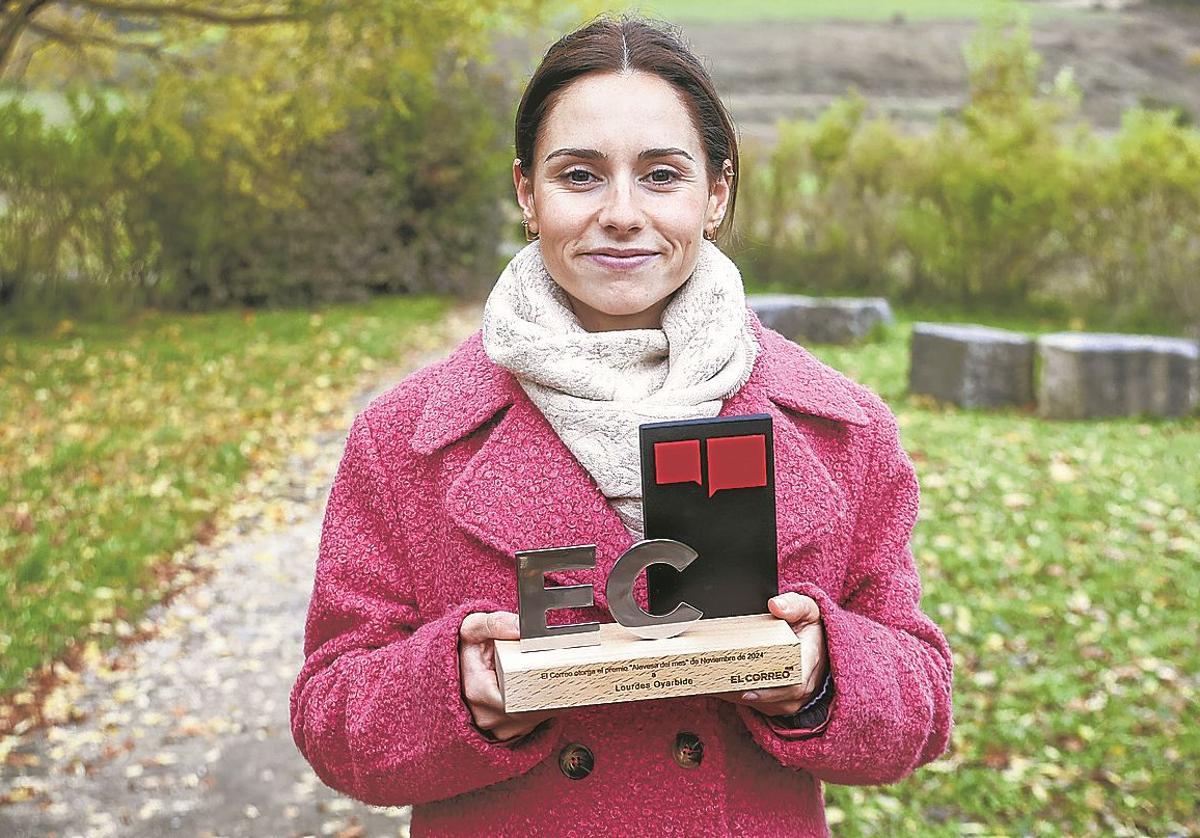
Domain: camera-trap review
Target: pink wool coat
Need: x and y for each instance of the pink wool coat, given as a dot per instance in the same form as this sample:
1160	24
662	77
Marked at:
454	469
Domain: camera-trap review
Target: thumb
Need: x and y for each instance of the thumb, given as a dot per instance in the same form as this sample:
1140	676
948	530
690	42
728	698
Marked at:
502	625
479	626
795	608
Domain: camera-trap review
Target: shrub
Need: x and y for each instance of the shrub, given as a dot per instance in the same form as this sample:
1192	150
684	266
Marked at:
391	202
299	163
434	211
59	245
822	207
1136	226
1008	204
985	194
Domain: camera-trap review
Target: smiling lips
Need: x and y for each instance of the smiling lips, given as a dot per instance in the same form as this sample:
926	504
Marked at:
617	259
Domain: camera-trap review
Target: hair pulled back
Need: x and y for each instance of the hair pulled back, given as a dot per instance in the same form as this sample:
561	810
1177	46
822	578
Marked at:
627	44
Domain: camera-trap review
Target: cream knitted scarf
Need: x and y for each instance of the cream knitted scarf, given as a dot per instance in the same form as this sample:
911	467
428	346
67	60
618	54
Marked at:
595	388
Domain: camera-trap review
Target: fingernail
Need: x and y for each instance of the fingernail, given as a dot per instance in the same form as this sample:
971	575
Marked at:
750	696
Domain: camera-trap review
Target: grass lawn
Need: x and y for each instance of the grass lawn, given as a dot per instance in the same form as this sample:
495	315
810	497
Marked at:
716	11
118	443
1062	559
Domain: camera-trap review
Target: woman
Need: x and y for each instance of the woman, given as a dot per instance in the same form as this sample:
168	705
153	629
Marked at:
620	311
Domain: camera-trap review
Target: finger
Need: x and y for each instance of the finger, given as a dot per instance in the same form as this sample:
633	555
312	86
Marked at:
477	678
478	627
778	708
503	625
487	705
475	663
812	641
811	634
769	708
736	697
520	723
794	608
773	695
729	696
469	630
475	628
502	725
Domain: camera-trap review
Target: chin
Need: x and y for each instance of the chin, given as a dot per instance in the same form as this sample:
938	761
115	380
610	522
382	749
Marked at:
624	310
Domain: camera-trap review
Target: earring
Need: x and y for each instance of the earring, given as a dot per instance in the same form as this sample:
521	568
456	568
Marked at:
711	236
529	238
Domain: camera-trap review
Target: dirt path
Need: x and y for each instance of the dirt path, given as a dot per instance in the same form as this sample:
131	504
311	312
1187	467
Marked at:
915	71
188	733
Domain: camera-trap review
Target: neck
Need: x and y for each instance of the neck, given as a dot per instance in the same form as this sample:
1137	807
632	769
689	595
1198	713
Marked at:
598	321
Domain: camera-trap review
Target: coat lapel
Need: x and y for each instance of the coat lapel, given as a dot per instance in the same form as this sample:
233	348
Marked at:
524	490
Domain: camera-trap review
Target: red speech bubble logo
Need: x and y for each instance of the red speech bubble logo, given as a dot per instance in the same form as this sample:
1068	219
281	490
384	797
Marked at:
736	462
677	462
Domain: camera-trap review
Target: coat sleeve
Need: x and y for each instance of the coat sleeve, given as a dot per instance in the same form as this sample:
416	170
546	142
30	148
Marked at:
892	669
377	708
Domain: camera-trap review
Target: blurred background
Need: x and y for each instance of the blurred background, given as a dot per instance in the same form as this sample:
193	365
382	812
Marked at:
222	223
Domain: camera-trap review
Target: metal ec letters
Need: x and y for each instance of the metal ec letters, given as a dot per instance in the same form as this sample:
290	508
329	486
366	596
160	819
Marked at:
619	589
534	598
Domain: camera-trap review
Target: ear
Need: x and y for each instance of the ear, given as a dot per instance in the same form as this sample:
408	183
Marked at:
718	197
524	188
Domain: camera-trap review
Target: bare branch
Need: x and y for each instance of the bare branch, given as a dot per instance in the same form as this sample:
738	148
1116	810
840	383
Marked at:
13	23
22	8
79	39
23	58
207	15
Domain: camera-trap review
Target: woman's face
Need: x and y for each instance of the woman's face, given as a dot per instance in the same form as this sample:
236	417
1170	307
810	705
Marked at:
619	195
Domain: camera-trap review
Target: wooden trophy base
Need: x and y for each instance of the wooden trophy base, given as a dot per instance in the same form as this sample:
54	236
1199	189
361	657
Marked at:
717	655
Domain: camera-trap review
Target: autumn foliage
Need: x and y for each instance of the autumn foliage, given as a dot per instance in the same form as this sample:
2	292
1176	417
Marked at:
307	152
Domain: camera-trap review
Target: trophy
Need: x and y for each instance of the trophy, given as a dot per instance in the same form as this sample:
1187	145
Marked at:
708	494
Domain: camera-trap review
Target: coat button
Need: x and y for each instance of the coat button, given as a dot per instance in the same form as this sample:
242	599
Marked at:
689	750
576	761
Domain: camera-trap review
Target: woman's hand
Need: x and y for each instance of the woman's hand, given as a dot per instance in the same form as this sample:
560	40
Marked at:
477	673
804	616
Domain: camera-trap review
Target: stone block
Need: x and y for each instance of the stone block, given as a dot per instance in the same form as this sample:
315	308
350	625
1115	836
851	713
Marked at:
821	319
1090	375
971	366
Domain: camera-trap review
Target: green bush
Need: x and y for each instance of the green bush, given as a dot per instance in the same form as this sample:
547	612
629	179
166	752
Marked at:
394	201
412	197
823	207
984	204
1010	204
60	245
297	165
1136	226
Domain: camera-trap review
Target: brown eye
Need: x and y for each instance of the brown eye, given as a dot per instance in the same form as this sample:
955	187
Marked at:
570	176
670	177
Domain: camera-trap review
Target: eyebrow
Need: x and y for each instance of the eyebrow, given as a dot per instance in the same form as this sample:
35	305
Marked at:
593	154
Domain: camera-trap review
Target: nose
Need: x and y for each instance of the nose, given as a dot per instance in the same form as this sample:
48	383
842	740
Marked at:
622	211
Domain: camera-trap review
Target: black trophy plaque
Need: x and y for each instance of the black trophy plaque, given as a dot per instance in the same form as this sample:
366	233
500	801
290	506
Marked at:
710	483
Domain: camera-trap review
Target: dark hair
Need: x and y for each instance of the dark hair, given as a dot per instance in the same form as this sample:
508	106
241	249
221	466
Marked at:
621	45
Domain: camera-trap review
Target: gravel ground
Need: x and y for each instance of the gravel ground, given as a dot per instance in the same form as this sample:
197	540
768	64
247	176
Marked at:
187	733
